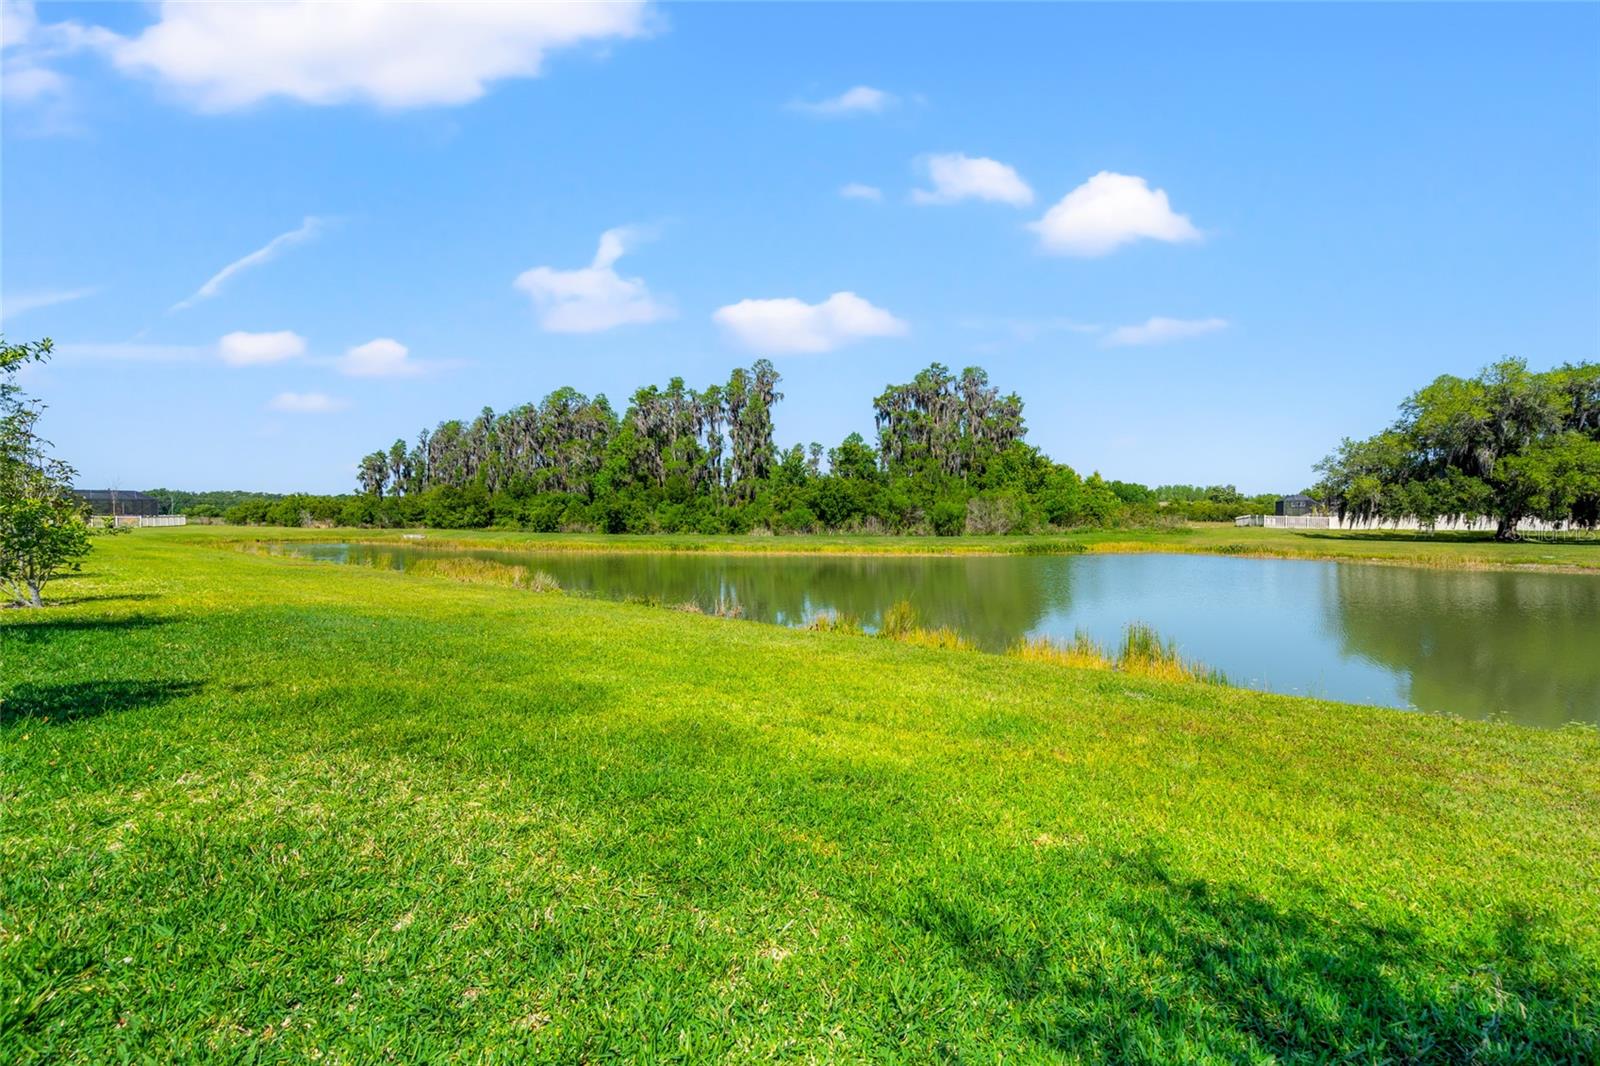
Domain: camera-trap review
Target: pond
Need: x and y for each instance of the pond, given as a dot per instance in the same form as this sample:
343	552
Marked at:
1485	644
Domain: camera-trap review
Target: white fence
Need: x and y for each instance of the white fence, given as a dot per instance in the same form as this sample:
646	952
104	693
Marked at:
144	520
1480	524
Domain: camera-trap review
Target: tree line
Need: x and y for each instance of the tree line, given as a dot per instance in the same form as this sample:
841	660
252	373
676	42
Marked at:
949	456
1509	443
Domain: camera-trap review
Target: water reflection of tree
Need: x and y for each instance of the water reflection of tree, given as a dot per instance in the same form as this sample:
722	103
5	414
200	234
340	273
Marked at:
1524	646
991	600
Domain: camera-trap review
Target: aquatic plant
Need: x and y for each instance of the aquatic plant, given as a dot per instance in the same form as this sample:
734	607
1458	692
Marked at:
836	622
1082	651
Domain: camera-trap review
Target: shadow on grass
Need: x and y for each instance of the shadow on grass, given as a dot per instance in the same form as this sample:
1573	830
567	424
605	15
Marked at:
1187	969
80	700
39	625
110	597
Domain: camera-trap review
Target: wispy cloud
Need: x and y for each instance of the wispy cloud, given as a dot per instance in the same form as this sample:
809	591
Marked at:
1160	330
306	403
34	90
265	254
1030	329
861	100
132	352
855	190
18	303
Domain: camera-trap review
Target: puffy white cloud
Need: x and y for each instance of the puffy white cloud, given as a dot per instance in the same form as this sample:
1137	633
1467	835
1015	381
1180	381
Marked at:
957	177
383	357
254	349
1108	211
223	56
1160	330
306	403
593	298
266	253
857	191
790	325
861	100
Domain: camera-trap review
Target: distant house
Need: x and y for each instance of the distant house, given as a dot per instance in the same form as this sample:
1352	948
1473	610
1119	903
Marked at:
1295	506
119	502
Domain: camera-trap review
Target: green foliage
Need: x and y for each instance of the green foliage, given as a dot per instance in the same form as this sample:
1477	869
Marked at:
43	525
1510	443
950	458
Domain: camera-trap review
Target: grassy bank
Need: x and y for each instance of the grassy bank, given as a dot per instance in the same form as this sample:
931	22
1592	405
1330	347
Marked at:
261	809
1448	550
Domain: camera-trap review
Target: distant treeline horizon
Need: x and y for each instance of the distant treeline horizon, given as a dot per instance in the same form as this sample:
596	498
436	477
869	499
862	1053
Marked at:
950	457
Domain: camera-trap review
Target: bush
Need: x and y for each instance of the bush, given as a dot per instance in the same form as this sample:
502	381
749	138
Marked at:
799	519
948	517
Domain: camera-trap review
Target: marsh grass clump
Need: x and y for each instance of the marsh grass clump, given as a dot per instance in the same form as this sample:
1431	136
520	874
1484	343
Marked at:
898	620
836	622
900	623
478	571
486	572
1082	651
1050	547
944	638
1144	652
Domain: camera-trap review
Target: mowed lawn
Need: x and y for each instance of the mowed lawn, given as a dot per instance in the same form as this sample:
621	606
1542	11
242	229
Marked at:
259	809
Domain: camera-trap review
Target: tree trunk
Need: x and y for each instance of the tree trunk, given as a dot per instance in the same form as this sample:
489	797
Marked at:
1506	529
34	600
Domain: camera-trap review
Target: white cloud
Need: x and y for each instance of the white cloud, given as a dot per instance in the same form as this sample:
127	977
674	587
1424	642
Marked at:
593	298
861	100
134	352
791	325
266	253
28	48
857	191
17	303
306	403
957	177
255	349
1161	330
383	357
224	56
1108	211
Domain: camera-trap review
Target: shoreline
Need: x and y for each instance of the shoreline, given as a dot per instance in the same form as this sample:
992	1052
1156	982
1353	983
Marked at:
1425	553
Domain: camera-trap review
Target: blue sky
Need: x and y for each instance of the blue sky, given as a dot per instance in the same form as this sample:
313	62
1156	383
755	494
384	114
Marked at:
1203	243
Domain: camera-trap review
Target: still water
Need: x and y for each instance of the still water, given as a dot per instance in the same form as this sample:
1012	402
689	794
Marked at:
1519	646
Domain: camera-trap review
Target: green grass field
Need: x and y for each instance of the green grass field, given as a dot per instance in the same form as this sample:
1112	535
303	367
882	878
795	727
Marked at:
258	809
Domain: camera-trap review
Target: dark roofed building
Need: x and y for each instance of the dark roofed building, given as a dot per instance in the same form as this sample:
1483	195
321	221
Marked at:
1295	505
119	502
